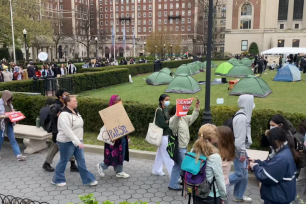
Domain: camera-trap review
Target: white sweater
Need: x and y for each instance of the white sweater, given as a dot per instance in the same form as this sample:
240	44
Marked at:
70	128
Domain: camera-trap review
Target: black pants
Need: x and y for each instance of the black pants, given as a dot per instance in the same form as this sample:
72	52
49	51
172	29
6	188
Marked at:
208	200
260	69
304	69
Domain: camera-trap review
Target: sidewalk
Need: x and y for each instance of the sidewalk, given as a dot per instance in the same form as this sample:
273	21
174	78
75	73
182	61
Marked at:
29	180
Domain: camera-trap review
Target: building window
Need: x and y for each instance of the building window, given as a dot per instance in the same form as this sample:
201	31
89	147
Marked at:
183	28
298	9
150	29
244	45
281	43
281	26
183	20
296	26
246	16
165	21
296	43
150	14
283	10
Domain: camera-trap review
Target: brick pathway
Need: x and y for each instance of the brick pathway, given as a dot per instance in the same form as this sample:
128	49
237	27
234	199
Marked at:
29	180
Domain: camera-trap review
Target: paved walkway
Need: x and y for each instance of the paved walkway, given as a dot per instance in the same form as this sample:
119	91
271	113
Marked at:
29	180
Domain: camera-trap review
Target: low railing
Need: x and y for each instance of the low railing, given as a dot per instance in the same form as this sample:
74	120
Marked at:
8	199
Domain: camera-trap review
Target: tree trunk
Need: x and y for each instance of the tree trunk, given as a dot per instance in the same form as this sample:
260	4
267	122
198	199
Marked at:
87	49
56	50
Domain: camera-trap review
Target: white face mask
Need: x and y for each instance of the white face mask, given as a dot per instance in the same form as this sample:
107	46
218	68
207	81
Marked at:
271	127
167	103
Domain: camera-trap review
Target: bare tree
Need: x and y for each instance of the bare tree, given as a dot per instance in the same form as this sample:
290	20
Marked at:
57	24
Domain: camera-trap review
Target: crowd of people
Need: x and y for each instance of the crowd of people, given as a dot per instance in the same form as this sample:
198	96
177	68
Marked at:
221	147
12	71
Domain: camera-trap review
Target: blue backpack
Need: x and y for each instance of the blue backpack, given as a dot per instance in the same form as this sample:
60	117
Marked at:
194	177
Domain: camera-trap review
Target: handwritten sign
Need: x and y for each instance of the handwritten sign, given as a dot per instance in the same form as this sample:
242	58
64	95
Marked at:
116	121
182	106
15	116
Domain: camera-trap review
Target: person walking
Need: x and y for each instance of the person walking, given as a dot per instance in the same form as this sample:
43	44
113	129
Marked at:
44	71
7	75
208	136
226	146
55	111
6	126
31	70
162	121
63	70
70	142
71	68
243	140
17	73
260	66
116	154
277	173
180	128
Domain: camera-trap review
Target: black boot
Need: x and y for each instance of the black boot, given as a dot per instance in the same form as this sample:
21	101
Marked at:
47	167
73	167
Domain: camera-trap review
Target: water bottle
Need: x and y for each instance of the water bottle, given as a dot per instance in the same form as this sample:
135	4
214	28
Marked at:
37	122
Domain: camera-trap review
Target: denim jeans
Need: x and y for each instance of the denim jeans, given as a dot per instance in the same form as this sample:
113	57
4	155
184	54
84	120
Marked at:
119	168
11	136
68	149
239	178
176	170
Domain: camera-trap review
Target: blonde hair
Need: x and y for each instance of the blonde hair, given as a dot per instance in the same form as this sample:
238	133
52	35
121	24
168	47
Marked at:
203	145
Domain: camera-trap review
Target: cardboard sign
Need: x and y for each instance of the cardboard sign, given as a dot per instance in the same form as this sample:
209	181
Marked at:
15	116
116	121
182	106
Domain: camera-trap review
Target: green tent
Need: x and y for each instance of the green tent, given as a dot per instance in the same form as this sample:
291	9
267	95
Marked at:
235	63
159	78
239	71
166	70
223	68
212	64
184	70
193	68
183	84
246	61
251	85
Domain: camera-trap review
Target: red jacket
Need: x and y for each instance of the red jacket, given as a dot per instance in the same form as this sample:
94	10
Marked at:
15	74
38	74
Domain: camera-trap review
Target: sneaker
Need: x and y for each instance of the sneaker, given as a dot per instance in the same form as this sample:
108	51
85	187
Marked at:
159	174
245	199
59	184
122	175
100	170
94	183
20	157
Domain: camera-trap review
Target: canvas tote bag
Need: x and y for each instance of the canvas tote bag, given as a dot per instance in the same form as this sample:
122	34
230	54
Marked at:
155	133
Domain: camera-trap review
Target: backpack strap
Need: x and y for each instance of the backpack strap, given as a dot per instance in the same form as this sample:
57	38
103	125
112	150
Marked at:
214	189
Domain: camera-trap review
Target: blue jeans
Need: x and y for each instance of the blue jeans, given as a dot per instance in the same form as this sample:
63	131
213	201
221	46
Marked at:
239	178
119	168
66	151
176	170
11	136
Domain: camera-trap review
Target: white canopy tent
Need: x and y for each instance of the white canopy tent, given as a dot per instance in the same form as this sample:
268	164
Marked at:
285	51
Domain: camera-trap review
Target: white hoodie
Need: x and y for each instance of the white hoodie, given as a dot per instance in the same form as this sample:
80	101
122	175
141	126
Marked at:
242	124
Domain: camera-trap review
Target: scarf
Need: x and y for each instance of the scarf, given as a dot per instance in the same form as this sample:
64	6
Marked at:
113	100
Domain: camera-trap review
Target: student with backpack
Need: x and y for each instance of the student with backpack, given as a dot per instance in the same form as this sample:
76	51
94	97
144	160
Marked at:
277	173
226	146
180	128
207	187
44	115
242	131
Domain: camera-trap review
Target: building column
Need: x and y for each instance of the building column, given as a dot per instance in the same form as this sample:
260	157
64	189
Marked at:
304	17
290	15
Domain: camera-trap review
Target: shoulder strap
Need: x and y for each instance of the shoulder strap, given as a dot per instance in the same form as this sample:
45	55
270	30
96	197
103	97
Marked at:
239	113
155	114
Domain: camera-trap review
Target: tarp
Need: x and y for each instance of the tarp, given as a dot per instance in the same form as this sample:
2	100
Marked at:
288	73
159	78
251	85
223	68
246	61
239	71
183	84
185	70
284	50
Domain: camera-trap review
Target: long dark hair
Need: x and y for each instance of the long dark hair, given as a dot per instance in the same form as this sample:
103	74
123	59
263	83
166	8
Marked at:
226	143
279	119
161	99
279	135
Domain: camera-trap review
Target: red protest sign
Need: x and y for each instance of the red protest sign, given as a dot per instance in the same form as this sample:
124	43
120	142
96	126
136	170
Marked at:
15	116
182	106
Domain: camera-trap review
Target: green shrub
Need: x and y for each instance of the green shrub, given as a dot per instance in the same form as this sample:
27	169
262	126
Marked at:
19	54
142	114
176	63
253	49
22	86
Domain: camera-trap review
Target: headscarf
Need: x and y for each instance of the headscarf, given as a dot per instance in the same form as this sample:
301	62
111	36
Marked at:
112	100
6	95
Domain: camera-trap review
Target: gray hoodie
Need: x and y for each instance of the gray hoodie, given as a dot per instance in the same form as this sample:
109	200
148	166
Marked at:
242	124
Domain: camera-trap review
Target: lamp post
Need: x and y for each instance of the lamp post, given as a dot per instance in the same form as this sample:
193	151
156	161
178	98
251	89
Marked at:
207	118
25	43
164	51
144	48
96	39
171	51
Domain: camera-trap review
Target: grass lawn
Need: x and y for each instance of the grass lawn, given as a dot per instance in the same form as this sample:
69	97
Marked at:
286	96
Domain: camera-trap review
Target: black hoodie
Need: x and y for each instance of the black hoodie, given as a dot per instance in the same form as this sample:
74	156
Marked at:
55	109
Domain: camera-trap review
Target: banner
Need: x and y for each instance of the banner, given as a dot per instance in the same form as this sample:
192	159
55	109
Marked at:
116	121
182	106
15	116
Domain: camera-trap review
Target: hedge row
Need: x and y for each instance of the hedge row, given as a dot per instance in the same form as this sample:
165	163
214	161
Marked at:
81	82
135	69
142	114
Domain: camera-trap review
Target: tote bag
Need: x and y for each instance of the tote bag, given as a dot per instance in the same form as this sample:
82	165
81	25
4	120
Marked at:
155	133
104	136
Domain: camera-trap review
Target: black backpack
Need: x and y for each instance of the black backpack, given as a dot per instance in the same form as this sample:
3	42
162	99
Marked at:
47	124
229	122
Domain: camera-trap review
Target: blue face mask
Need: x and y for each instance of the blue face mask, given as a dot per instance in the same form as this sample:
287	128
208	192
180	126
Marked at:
167	103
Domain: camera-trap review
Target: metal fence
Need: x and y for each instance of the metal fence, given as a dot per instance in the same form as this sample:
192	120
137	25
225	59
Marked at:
49	86
8	199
